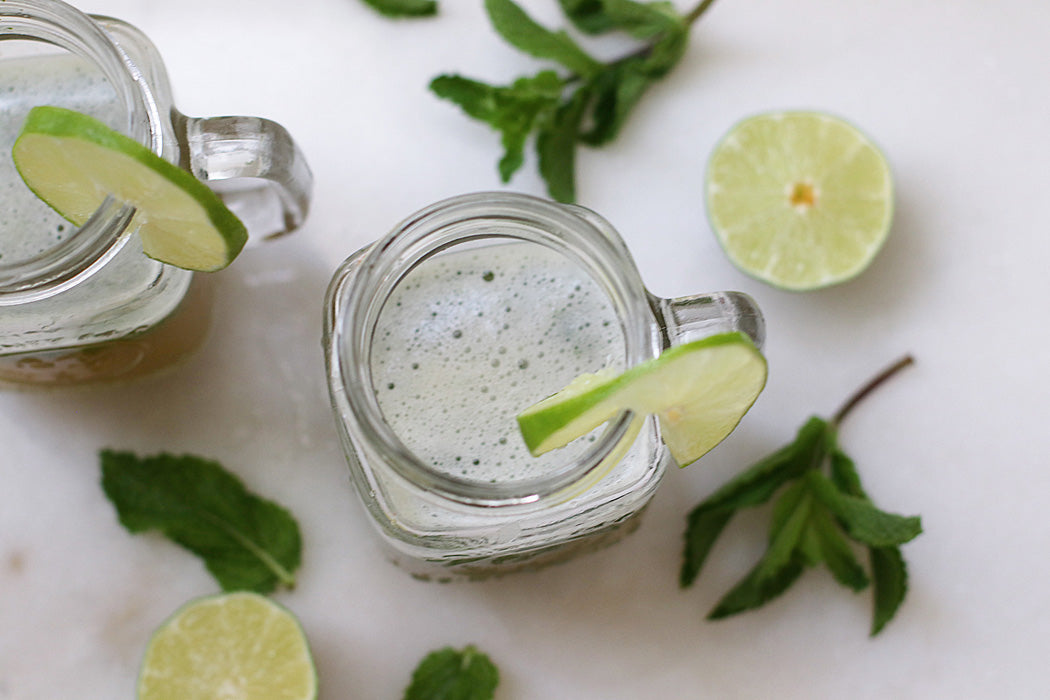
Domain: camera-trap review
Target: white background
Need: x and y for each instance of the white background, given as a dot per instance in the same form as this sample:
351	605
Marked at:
956	95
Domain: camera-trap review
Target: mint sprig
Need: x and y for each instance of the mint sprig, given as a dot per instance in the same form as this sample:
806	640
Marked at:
450	674
246	542
404	8
590	100
820	514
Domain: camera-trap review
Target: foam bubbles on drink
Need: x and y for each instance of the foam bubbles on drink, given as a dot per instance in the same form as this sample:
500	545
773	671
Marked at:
471	338
28	226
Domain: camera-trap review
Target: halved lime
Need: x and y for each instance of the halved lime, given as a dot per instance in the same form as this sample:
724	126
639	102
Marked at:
73	161
698	391
240	646
800	200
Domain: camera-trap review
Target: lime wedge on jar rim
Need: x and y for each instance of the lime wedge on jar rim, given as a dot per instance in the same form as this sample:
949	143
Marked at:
73	161
698	391
233	645
801	200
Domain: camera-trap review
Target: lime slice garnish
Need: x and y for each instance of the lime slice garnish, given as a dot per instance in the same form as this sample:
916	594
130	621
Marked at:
240	646
698	391
801	200
73	161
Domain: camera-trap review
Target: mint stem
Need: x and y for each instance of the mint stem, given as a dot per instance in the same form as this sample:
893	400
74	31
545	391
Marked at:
697	11
871	386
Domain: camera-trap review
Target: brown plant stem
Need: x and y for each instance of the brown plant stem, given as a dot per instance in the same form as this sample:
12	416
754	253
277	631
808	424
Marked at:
871	386
697	11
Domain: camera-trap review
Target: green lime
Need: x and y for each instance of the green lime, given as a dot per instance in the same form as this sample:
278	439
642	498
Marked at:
73	161
698	391
800	200
239	646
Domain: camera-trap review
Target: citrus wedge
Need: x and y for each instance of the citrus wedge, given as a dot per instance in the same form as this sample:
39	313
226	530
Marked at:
240	646
698	391
73	161
800	200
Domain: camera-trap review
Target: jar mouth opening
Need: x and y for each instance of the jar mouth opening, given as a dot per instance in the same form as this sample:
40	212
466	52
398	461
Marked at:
52	28
358	299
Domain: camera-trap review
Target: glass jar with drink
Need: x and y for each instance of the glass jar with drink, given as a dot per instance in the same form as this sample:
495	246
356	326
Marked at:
84	304
468	312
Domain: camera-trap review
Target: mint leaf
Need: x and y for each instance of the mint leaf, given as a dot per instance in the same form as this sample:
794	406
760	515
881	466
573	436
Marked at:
787	507
810	520
888	570
891	584
836	553
246	542
556	148
617	90
705	525
475	98
782	563
862	520
640	19
756	589
522	32
758	482
595	98
513	110
844	474
644	20
752	487
404	8
448	674
588	16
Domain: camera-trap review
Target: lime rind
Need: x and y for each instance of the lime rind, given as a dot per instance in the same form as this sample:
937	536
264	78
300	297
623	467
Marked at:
698	391
750	177
237	645
73	162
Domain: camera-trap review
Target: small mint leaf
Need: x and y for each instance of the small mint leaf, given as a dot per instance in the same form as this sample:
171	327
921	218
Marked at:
476	98
757	483
404	8
779	567
785	507
888	571
514	110
246	542
756	589
665	54
844	474
862	520
790	499
448	674
836	552
618	88
751	487
891	584
556	148
644	20
703	529
588	16
522	32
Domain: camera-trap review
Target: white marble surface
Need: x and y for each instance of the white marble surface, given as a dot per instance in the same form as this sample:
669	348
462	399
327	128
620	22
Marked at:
955	93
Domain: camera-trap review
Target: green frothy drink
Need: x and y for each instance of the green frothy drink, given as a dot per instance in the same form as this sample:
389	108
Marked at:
473	336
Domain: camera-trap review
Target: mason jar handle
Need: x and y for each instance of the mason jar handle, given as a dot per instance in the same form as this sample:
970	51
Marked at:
689	318
254	166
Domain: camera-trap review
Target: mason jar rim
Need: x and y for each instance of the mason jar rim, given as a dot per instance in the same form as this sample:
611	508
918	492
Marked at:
104	234
357	304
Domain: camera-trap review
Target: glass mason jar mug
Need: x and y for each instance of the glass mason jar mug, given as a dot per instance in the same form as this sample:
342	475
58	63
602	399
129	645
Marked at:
468	312
85	305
